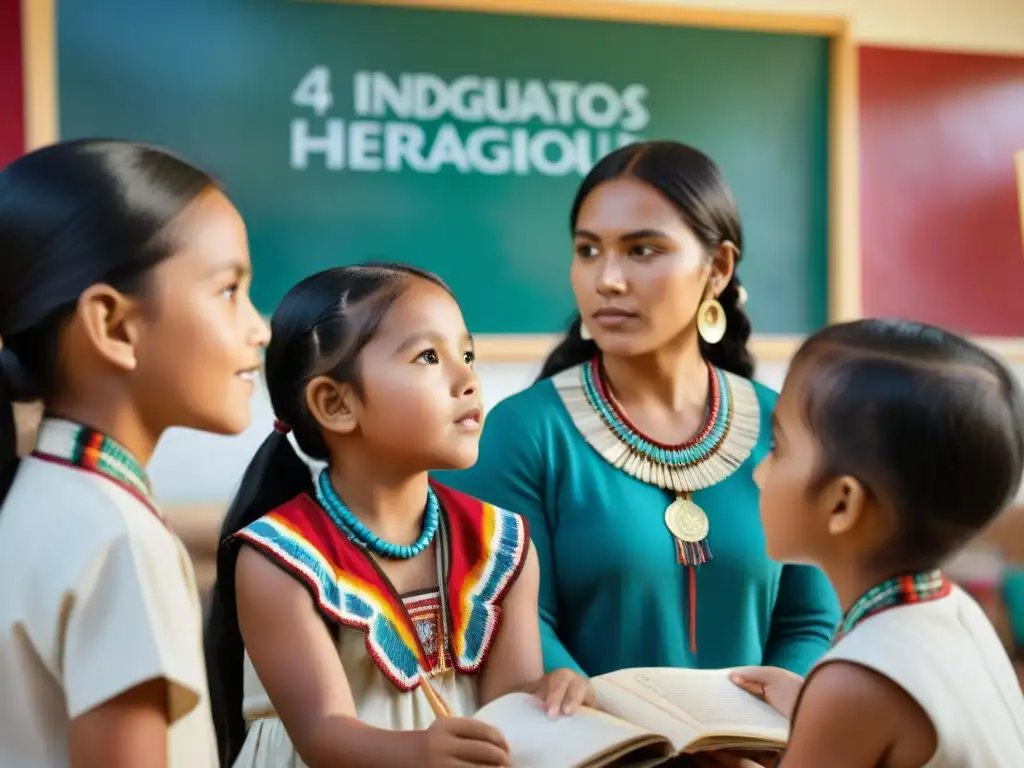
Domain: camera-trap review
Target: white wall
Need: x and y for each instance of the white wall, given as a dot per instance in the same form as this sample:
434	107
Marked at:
191	467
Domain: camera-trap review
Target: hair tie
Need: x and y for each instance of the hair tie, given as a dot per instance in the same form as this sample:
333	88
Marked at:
15	379
281	428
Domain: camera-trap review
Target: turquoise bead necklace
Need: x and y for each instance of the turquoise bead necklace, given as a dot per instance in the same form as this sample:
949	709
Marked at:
723	444
349	524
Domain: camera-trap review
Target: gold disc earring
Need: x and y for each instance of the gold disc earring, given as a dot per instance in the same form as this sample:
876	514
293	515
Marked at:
711	321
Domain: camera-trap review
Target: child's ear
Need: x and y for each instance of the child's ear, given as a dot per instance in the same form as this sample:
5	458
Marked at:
110	321
334	405
843	500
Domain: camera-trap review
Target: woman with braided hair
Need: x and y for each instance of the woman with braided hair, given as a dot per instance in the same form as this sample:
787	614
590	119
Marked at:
632	455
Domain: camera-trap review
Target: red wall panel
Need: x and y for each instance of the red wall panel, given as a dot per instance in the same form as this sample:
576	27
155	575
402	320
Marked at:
12	115
941	230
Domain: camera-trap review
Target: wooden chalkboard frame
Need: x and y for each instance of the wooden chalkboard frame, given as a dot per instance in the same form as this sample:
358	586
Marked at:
844	294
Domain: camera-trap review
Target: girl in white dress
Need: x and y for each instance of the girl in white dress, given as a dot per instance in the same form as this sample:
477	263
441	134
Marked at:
894	444
343	602
124	307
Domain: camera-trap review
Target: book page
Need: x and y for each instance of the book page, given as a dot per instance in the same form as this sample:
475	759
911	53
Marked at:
705	698
634	708
538	741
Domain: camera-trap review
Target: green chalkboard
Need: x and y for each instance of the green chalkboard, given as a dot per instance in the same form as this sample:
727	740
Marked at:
456	140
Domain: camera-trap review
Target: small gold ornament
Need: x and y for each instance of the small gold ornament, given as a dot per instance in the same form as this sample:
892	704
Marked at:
711	321
687	522
724	446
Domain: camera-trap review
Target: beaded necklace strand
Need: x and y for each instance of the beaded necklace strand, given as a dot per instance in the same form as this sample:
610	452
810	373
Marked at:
363	537
723	443
349	524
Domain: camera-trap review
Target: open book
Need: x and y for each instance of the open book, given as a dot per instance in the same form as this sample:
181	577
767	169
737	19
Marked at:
644	718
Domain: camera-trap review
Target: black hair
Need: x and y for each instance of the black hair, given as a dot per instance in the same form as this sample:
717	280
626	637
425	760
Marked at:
928	422
318	329
73	215
692	182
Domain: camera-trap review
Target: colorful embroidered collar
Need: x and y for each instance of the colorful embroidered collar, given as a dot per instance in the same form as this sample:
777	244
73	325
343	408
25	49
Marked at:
486	548
900	590
64	442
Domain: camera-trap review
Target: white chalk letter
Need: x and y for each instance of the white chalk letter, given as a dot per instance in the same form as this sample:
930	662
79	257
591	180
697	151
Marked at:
331	145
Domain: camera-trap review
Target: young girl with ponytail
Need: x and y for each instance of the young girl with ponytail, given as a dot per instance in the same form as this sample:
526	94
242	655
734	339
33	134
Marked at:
632	456
124	308
352	601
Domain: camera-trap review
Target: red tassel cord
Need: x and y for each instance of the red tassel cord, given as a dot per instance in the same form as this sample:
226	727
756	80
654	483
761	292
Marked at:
693	609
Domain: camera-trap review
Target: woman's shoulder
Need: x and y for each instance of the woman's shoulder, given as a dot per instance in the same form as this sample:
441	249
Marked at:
757	402
529	417
766	396
531	405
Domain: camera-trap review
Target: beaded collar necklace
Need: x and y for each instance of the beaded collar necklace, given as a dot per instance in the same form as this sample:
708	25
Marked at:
65	442
719	448
906	589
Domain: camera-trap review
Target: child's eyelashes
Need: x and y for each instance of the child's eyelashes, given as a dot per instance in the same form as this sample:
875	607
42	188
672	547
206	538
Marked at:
428	357
231	292
431	357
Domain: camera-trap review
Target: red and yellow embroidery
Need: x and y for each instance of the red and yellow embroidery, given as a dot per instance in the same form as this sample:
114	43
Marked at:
425	611
494	545
487	547
348	598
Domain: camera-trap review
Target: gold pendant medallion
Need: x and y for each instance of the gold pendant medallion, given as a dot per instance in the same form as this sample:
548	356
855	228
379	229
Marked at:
687	521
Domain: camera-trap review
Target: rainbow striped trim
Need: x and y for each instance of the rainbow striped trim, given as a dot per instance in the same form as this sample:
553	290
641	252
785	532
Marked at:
73	445
352	602
905	589
88	449
504	542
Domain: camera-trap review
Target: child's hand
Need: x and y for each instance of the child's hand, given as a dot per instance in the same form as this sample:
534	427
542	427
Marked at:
459	741
779	687
564	691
